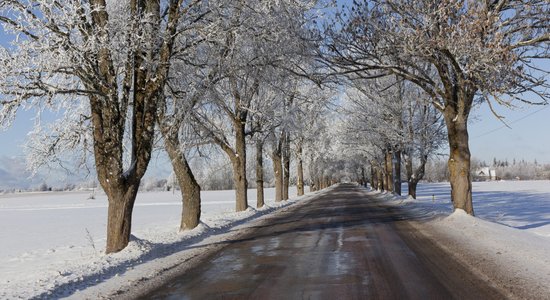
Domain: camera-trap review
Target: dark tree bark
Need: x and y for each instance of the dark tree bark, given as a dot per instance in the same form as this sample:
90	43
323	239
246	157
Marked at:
121	186
313	185
381	179
412	189
286	165
119	216
318	184
190	189
239	168
409	173
234	95
278	175
276	157
300	171
414	175
259	174
456	119
373	176
363	177
388	186
396	162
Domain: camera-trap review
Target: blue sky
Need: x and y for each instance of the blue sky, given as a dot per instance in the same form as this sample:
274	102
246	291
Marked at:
527	138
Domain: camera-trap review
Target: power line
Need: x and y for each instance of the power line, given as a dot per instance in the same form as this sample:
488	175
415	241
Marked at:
513	122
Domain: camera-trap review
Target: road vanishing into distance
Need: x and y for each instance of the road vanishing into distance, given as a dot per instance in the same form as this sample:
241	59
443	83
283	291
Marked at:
340	245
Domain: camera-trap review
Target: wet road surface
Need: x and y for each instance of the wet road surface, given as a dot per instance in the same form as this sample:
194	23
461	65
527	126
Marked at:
341	245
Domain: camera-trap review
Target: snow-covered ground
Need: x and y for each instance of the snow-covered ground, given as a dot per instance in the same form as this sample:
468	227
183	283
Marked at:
52	243
523	205
508	240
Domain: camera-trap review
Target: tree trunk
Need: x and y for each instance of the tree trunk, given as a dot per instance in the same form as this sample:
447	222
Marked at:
459	159
381	179
190	189
259	174
121	186
318	184
277	172
300	171
396	162
389	174
413	177
191	197
286	166
110	110
119	215
412	188
373	177
363	177
409	173
384	182
239	169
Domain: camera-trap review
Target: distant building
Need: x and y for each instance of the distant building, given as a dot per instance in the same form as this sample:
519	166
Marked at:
486	174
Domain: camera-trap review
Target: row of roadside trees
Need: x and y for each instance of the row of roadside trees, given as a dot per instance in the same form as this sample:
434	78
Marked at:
433	61
124	75
393	124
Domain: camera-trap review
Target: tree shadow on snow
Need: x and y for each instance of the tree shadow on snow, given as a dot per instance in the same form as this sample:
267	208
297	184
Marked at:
521	209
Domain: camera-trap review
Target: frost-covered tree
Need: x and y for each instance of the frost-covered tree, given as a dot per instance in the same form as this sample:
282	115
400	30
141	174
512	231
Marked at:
114	57
311	107
187	86
323	149
262	123
387	119
255	38
374	111
457	51
279	138
299	107
224	117
424	134
173	131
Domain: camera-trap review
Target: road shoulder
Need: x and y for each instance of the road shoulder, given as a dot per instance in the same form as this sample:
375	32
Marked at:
469	244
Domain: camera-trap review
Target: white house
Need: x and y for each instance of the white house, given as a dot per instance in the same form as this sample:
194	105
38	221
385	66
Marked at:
486	173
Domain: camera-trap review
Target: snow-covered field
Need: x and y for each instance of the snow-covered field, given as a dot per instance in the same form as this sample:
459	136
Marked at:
52	243
524	205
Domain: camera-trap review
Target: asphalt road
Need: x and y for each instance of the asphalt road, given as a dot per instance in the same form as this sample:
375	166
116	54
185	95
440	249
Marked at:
341	245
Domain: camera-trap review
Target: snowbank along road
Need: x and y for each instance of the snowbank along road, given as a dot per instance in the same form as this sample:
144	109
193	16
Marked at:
341	245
